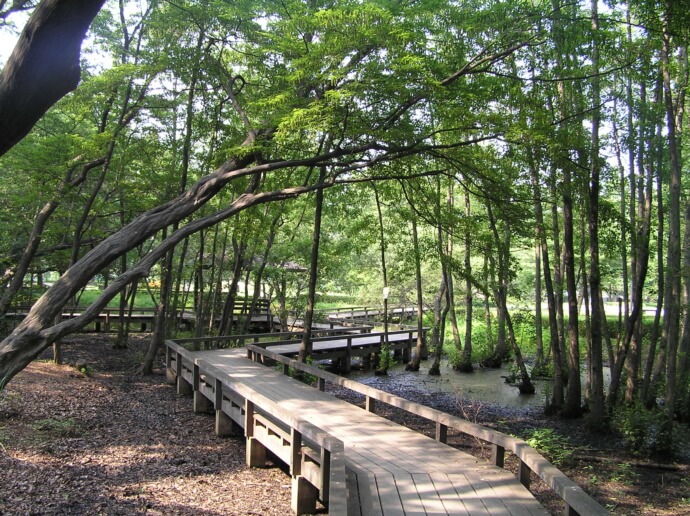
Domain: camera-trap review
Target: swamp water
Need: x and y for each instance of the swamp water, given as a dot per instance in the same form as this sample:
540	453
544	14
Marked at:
481	386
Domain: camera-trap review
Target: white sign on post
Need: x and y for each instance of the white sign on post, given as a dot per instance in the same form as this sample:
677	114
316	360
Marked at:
386	290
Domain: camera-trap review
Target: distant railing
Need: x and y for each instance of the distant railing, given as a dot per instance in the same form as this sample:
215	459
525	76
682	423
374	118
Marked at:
273	339
529	460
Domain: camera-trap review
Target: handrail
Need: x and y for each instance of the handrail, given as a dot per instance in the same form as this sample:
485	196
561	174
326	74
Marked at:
291	336
576	499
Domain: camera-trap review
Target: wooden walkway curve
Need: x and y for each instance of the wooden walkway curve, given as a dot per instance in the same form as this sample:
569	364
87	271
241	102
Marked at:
388	469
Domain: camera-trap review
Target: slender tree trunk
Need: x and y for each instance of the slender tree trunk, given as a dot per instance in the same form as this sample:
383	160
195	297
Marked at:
466	362
651	374
525	385
438	330
573	399
413	365
384	269
672	296
306	344
597	416
557	388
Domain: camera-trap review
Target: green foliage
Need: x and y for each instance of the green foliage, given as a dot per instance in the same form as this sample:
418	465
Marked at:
624	473
525	333
648	432
385	359
552	445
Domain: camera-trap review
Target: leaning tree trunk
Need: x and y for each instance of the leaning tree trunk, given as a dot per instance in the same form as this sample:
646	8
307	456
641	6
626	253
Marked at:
44	65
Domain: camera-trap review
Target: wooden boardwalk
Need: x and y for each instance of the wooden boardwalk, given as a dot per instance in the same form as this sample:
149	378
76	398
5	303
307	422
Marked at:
344	347
388	469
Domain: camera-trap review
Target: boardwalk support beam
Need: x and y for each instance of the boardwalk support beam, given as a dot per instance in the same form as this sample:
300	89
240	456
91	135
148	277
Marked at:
256	452
304	496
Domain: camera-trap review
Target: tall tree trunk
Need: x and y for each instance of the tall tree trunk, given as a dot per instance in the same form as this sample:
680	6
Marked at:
649	382
672	297
525	385
557	389
413	365
597	416
438	329
466	361
306	344
384	269
573	399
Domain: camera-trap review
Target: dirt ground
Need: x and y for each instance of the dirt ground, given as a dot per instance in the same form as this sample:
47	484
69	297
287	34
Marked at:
103	440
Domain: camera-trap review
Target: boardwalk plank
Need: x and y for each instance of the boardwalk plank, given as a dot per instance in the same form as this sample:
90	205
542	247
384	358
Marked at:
430	497
452	503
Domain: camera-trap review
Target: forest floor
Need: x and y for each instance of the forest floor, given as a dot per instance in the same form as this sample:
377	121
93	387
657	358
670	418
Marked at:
104	440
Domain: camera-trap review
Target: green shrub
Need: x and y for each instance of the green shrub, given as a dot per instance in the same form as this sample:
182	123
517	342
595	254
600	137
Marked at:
552	445
648	432
385	359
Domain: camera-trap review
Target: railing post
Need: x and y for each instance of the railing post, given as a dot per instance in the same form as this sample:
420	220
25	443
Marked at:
569	511
295	452
321	384
325	473
256	452
407	351
224	425
370	404
524	473
201	403
441	432
347	360
498	454
183	387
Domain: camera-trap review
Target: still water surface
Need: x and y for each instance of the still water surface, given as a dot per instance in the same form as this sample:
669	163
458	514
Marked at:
484	385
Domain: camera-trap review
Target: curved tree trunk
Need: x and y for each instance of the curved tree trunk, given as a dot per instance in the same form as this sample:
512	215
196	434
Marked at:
44	65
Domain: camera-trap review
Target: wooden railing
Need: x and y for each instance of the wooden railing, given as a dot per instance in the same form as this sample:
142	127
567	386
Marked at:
272	339
315	458
529	460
